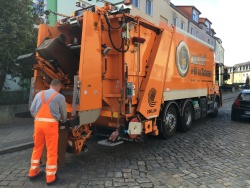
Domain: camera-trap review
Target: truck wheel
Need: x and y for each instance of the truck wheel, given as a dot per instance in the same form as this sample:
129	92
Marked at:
169	121
187	117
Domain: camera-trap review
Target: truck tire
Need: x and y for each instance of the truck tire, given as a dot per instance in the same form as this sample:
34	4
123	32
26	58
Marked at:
187	117
169	120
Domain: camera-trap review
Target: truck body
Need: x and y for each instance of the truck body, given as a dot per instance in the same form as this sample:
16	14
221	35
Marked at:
123	73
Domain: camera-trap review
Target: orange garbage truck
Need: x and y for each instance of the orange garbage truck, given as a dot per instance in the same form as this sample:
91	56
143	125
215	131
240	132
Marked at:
122	73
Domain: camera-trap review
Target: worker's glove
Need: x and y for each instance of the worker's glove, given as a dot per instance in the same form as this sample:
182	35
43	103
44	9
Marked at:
114	135
118	132
67	122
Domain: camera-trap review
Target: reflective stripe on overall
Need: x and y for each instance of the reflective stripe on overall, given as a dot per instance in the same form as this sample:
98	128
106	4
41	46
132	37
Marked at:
45	130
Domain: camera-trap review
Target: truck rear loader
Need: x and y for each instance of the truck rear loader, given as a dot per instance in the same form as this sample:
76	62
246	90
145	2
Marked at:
122	73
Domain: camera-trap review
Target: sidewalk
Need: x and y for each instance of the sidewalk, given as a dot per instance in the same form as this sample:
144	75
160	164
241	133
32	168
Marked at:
16	136
19	135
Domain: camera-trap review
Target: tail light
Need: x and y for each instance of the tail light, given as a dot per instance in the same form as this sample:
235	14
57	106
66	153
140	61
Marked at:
237	102
127	2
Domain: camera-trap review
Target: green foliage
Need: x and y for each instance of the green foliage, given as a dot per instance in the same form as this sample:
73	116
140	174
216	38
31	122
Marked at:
247	81
17	36
14	97
226	75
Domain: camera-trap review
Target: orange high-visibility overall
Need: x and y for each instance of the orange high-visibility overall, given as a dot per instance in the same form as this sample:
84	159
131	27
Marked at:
45	130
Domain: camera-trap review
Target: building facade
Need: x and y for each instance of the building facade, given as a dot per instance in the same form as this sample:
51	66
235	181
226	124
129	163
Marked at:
152	10
202	29
186	18
239	73
179	19
12	84
59	6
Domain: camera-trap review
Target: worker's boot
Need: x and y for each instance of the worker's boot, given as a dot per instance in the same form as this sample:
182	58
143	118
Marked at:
53	182
40	174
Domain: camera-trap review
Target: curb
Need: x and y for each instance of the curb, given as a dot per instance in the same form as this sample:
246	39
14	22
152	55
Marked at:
17	148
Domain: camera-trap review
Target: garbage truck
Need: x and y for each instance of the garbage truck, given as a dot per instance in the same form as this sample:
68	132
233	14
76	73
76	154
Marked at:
125	74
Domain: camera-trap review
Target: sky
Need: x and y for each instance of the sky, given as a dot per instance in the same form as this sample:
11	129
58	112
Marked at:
231	22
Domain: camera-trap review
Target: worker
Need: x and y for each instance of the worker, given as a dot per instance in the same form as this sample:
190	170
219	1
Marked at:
47	108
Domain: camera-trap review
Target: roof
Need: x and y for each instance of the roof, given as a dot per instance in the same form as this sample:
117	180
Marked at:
178	10
189	6
213	30
241	64
205	19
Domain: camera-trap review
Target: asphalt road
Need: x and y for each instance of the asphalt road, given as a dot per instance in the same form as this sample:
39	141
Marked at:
214	153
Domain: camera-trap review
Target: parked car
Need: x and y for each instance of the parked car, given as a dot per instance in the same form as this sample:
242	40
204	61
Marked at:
247	87
244	86
241	105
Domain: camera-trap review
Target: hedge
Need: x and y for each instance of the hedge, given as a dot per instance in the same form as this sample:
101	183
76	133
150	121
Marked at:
14	97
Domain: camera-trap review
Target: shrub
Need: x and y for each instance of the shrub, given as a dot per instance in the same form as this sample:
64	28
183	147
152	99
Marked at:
14	97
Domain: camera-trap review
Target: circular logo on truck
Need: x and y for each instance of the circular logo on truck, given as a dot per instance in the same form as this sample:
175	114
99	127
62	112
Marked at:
151	97
182	58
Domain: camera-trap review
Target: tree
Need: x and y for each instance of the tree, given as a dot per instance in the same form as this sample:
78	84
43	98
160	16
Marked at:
226	75
38	7
17	37
247	81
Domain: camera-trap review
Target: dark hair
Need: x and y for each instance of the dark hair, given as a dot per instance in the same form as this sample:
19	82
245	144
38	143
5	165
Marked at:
55	82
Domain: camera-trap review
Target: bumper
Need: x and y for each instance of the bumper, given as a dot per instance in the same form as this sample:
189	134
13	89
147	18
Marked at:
240	112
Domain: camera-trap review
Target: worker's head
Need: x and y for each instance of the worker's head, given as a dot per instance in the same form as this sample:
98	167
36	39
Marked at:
56	85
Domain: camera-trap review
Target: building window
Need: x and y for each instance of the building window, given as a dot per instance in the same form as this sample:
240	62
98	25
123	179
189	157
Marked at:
175	21
197	34
183	25
208	41
191	31
149	7
207	28
195	16
136	3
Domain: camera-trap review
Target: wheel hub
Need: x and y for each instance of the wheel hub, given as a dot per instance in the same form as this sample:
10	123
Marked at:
170	121
188	116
